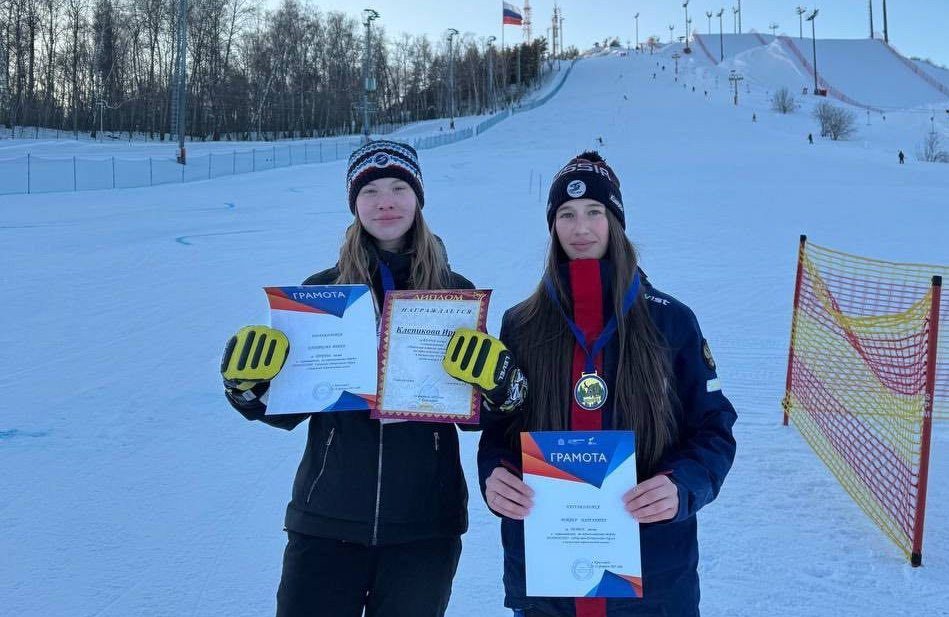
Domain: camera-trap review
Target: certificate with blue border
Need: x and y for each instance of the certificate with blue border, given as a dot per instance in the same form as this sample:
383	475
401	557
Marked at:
579	540
333	356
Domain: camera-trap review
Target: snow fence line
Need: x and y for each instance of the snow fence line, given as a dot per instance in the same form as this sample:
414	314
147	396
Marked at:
916	70
698	39
39	174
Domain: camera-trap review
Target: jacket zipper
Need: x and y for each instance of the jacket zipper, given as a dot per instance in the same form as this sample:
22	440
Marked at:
436	441
326	451
375	522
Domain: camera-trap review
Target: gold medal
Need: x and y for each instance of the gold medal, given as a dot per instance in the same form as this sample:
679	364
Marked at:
590	392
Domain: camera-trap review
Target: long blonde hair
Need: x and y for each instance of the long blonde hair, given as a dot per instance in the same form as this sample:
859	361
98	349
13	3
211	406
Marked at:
429	262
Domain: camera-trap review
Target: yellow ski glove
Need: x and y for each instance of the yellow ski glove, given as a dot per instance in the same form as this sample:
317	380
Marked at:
483	361
254	355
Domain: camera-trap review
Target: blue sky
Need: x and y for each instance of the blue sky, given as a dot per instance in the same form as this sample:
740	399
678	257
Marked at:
917	27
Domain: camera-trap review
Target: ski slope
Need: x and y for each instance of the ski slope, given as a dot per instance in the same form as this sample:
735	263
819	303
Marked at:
871	73
938	73
731	44
865	73
131	488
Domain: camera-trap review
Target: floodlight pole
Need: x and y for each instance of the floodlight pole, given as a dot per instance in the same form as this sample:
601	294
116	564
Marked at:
182	69
721	37
451	76
812	19
636	17
367	80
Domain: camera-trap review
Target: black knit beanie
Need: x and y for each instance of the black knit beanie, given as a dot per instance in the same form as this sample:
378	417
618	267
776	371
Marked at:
586	176
383	159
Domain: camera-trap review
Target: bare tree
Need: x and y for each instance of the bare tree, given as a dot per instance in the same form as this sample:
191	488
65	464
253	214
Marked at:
289	71
835	122
784	102
930	151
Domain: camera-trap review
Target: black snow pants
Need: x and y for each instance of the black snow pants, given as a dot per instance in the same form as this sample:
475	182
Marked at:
331	578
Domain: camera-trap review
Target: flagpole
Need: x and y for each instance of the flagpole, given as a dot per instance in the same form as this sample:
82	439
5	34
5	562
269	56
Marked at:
503	60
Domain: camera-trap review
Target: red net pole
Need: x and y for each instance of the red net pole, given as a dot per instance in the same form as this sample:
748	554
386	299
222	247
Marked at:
916	557
797	297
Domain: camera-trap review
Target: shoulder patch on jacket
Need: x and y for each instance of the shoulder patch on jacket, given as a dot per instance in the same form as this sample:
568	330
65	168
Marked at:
707	355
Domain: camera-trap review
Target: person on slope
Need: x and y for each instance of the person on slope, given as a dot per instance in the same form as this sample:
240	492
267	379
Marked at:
377	511
661	382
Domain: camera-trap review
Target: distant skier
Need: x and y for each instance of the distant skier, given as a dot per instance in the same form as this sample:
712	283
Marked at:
810	138
654	75
754	117
902	157
693	88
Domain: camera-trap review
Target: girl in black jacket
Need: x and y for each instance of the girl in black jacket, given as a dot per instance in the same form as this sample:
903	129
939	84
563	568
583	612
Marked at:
377	510
653	375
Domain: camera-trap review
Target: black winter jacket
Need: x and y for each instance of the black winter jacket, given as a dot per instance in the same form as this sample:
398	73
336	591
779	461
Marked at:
372	483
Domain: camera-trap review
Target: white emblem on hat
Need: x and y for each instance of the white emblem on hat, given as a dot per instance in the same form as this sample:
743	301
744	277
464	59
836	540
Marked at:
576	188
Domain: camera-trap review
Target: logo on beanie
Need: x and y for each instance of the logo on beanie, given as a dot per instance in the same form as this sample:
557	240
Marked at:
576	188
616	202
381	160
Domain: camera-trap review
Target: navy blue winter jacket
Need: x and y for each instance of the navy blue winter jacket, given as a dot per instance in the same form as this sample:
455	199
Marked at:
698	463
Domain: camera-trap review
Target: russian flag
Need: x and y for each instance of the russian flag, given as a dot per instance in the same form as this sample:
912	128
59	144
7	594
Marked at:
512	15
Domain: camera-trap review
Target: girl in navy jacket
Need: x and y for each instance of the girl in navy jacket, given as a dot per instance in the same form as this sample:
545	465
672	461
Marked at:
660	381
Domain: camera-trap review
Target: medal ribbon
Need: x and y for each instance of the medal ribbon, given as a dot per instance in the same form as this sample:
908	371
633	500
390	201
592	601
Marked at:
628	299
388	283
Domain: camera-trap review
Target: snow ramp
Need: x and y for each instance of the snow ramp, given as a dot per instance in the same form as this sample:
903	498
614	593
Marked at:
866	73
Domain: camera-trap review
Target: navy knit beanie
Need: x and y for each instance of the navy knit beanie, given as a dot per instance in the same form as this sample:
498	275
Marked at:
383	159
586	176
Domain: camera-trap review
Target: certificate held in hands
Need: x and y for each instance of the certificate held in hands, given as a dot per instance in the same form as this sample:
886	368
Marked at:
416	328
579	540
332	360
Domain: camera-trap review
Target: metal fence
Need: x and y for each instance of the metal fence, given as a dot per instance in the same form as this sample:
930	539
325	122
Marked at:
48	174
33	173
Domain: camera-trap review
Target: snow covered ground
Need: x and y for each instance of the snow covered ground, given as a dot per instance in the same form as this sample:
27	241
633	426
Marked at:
131	488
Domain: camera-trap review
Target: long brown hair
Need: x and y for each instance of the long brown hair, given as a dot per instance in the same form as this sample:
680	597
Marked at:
429	263
642	394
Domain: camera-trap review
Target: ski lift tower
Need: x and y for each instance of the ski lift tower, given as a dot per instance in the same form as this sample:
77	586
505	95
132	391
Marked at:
735	78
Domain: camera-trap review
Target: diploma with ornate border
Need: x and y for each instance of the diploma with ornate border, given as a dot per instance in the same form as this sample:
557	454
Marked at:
332	361
579	540
415	330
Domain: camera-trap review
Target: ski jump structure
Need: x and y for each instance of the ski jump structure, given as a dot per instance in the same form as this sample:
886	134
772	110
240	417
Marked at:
800	59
